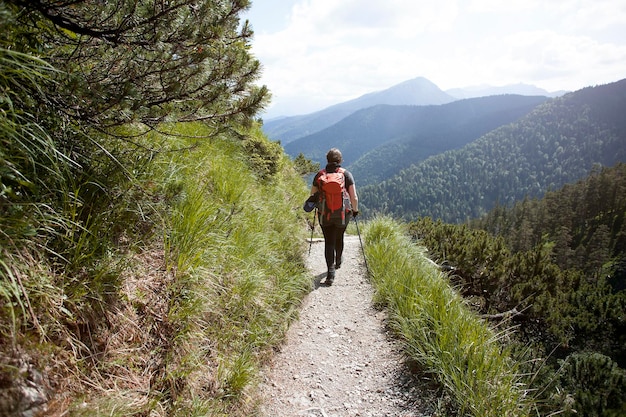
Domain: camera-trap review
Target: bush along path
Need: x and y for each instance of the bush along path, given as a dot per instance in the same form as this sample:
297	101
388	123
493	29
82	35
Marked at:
339	359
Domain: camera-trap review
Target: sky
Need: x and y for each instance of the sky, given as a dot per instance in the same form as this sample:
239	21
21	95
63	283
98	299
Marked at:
316	53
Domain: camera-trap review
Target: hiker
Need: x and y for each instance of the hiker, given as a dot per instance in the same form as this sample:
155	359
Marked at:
334	216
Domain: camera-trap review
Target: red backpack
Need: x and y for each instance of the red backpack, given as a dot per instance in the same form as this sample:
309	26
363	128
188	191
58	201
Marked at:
333	196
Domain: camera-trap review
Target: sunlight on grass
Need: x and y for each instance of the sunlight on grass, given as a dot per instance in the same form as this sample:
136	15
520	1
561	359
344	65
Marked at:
438	329
168	294
235	246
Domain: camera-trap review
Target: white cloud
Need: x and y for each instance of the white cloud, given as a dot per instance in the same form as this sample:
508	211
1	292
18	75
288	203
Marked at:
331	16
499	6
597	15
334	51
331	51
548	58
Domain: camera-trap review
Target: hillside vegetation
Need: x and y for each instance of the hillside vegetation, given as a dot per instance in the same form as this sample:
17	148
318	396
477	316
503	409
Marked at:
448	340
554	268
168	301
557	143
378	142
142	270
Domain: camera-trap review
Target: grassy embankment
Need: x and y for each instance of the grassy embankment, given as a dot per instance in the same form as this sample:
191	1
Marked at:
167	300
439	330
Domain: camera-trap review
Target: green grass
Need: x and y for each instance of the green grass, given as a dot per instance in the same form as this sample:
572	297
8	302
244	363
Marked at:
142	271
233	244
439	330
237	244
164	294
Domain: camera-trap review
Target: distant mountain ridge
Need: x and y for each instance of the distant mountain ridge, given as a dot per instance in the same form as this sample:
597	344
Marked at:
559	142
377	142
487	90
417	91
436	129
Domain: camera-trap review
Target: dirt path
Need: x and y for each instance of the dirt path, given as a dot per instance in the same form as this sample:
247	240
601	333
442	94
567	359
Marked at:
338	359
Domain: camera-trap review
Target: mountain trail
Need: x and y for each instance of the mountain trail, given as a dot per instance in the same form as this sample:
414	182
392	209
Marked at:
339	359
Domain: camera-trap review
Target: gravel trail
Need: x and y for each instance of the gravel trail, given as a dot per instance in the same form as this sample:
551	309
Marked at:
339	359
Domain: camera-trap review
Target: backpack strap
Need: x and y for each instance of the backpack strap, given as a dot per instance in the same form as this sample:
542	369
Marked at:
319	174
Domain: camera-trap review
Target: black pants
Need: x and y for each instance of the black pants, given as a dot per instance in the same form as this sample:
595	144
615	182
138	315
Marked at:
333	243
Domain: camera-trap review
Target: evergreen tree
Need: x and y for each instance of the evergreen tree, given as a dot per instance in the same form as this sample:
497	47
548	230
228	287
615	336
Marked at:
77	73
144	61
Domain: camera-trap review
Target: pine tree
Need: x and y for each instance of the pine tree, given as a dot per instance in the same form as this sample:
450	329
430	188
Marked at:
145	61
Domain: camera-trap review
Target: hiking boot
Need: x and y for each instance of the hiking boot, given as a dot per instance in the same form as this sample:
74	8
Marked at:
330	276
338	263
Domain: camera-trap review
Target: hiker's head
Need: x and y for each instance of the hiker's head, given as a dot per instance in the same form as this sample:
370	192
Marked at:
334	155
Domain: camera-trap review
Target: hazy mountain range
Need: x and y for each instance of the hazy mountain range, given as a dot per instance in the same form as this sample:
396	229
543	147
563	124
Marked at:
558	142
487	90
379	141
457	159
418	91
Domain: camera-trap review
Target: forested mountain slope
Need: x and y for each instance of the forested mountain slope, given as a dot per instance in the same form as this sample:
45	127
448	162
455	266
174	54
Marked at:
556	266
418	91
381	140
436	129
557	143
586	221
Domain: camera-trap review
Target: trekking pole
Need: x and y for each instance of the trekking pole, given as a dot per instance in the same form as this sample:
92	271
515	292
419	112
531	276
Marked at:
362	249
312	228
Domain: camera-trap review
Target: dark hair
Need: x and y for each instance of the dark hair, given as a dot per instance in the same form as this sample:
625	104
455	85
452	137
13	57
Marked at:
334	155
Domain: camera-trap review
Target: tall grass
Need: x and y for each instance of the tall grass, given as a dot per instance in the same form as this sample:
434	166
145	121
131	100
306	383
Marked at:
165	280
232	249
439	330
141	273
